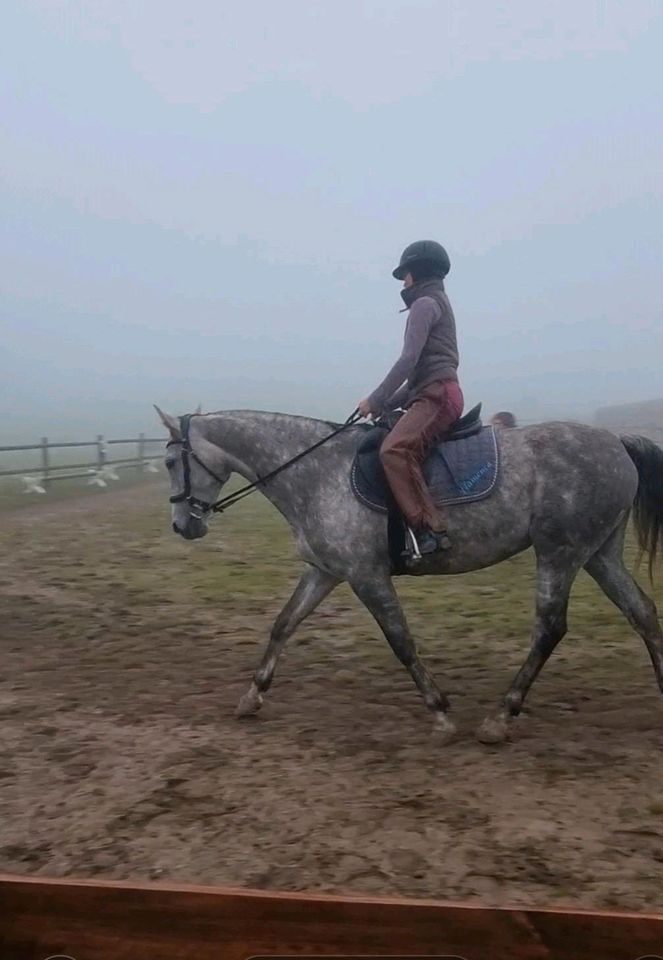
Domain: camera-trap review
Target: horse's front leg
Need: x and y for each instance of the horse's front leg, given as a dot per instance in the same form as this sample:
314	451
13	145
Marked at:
311	590
378	595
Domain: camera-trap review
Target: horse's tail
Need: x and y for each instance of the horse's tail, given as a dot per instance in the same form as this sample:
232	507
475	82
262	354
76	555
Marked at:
648	504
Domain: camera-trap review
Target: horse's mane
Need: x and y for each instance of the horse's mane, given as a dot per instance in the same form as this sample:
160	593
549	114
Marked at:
332	424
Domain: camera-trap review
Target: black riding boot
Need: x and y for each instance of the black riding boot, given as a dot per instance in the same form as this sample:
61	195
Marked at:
431	542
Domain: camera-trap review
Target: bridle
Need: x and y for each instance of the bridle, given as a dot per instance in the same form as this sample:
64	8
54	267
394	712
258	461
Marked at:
197	507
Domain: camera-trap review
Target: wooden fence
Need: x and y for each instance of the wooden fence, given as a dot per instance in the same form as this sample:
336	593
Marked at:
88	920
101	468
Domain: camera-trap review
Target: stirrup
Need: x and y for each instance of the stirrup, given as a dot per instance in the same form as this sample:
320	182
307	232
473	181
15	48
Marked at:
412	547
415	552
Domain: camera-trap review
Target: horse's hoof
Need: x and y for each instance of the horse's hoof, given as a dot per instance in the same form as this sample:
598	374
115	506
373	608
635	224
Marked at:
250	703
493	730
444	729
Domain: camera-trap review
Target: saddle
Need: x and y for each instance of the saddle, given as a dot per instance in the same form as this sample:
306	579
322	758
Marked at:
463	468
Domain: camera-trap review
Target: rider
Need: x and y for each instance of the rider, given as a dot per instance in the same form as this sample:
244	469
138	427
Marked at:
424	380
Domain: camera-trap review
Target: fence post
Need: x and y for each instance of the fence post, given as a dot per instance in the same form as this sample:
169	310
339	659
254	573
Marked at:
101	452
141	451
44	461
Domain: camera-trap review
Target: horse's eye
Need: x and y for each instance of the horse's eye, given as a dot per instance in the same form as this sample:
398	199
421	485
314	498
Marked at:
170	463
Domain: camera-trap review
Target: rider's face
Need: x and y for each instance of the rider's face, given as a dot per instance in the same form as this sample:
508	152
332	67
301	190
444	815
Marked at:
407	280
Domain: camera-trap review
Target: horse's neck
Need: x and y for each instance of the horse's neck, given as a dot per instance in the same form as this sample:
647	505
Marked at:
257	443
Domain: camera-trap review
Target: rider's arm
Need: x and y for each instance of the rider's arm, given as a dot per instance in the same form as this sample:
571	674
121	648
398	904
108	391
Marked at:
423	314
398	398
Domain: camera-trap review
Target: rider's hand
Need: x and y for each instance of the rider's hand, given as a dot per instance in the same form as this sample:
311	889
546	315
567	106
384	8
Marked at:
364	408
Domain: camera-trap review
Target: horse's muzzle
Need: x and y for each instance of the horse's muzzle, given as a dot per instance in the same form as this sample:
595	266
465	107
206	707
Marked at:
194	530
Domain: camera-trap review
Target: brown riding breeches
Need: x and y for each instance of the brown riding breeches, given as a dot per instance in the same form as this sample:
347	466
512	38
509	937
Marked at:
435	408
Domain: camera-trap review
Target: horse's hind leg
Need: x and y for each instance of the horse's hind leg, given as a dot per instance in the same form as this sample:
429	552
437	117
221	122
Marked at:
380	598
554	585
607	568
311	590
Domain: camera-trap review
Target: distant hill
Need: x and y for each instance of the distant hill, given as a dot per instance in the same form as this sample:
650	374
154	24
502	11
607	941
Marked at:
644	418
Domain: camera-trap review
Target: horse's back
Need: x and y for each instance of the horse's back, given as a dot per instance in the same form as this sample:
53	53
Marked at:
584	477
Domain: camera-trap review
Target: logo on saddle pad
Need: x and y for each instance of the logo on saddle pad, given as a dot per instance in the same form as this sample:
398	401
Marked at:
466	486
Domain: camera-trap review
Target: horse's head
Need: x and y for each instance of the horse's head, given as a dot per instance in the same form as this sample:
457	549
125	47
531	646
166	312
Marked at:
196	476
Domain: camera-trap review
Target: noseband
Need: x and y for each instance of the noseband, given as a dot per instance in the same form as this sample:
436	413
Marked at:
197	507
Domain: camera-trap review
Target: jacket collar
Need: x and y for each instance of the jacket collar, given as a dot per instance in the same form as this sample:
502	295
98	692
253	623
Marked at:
423	288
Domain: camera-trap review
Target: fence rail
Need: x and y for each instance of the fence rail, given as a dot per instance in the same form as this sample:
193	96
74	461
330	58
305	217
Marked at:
96	920
98	471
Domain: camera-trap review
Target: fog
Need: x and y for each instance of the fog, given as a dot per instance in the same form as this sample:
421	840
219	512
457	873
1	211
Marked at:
204	202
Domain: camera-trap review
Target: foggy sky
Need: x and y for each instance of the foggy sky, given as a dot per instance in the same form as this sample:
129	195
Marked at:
204	202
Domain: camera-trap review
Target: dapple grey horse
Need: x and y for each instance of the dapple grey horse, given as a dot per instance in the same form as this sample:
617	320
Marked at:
565	489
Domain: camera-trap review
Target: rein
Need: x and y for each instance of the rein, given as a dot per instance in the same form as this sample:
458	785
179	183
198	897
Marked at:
219	506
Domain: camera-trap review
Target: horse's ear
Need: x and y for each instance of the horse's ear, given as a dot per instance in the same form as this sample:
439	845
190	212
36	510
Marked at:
171	423
199	409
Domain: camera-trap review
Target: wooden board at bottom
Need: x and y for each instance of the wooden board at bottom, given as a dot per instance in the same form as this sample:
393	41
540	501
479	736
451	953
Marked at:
86	920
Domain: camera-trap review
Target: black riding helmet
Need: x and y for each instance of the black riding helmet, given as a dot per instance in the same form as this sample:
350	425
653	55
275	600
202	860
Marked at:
423	258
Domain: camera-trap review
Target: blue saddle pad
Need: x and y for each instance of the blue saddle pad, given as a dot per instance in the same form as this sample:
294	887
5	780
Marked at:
456	471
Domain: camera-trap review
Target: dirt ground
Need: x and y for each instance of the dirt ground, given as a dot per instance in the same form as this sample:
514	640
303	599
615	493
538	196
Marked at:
123	652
